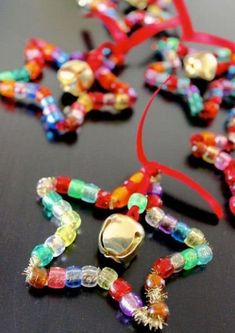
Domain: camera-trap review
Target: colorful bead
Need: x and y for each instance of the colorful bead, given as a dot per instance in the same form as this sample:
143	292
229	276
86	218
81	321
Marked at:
159	310
163	267
67	234
190	257
56	278
222	161
37	277
60	208
129	303
154	216
119	288
177	261
76	187
56	244
90	193
72	219
154	280
180	232
43	253
204	253
106	278
139	200
194	238
90	276
50	199
73	277
167	224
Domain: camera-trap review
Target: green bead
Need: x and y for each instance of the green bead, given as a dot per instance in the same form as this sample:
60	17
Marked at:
76	187
90	193
6	76
139	200
72	219
50	199
43	253
21	74
106	278
173	43
190	258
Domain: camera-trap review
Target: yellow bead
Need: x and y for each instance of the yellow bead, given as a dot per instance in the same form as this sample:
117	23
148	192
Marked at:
71	219
121	102
195	238
106	278
86	101
67	233
137	177
210	155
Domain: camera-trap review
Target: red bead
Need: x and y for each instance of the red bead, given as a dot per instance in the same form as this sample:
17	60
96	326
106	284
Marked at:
232	204
154	201
210	110
222	68
119	288
230	174
199	149
56	278
182	50
195	138
163	267
103	199
62	184
172	83
130	185
134	212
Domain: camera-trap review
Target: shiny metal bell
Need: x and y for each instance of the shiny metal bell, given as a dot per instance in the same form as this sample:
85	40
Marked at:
120	237
75	77
201	65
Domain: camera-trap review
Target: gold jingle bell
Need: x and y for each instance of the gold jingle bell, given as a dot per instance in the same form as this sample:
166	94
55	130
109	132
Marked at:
201	65
75	77
120	237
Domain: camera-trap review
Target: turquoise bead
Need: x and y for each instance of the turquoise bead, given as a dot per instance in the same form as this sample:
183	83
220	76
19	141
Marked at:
139	200
21	74
181	232
6	76
204	253
50	199
90	193
43	253
76	187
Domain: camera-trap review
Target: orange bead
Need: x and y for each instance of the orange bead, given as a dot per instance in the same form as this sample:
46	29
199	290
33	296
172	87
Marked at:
119	197
34	69
159	310
38	277
208	138
154	281
157	66
7	89
137	177
42	93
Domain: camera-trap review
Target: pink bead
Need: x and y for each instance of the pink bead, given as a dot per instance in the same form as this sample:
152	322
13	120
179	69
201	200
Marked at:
232	204
56	278
222	160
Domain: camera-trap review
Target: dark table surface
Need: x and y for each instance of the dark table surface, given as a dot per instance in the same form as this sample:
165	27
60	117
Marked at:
104	154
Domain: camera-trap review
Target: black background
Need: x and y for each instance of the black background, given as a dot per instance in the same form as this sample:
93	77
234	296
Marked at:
103	154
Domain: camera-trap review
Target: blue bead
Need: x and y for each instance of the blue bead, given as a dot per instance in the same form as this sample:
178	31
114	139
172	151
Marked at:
204	253
31	90
73	277
180	232
47	101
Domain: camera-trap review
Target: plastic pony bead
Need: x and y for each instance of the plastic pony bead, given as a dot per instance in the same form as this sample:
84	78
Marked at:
215	149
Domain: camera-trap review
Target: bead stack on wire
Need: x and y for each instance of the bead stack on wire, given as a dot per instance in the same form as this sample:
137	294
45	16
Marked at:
77	73
141	193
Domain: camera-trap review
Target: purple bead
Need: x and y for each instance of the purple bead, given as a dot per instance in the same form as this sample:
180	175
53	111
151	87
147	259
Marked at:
155	188
168	224
221	141
129	303
222	160
77	56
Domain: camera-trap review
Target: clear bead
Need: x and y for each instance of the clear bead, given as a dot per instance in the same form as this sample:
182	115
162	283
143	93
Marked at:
45	185
90	276
60	208
177	261
71	218
154	216
56	244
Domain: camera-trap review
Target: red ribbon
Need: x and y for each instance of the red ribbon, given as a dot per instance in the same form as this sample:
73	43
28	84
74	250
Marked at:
152	166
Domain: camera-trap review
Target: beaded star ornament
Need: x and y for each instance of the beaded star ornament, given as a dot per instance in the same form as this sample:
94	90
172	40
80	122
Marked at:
120	236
